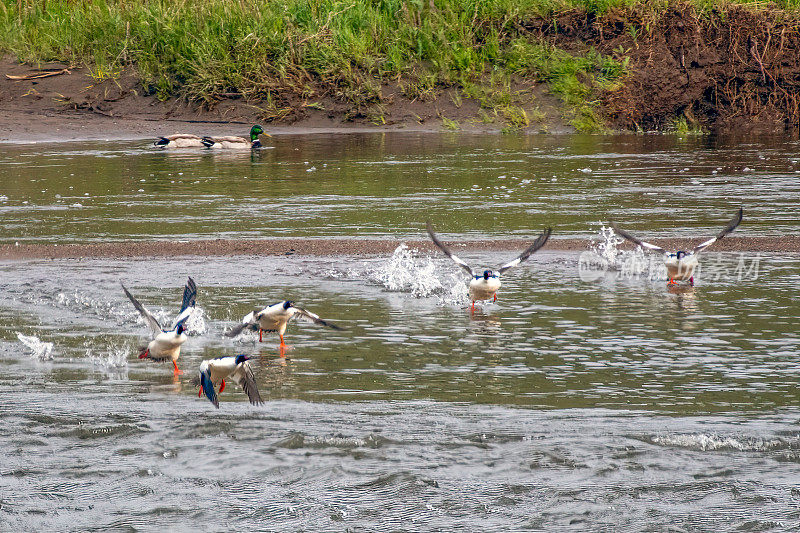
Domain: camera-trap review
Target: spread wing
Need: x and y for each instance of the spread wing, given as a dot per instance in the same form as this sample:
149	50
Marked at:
188	305
625	235
247	380
189	295
299	311
735	221
208	389
149	319
248	322
538	243
447	251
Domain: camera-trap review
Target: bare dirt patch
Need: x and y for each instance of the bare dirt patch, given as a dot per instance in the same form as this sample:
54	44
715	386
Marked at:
74	105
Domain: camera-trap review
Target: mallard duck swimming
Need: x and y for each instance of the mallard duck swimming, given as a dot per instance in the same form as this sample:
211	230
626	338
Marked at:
275	318
236	143
180	140
485	286
681	265
166	343
214	371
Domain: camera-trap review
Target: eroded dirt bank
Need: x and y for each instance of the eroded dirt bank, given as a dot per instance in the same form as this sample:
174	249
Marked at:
782	244
731	69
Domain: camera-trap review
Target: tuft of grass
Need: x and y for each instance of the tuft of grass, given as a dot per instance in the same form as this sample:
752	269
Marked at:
515	116
574	79
682	127
450	124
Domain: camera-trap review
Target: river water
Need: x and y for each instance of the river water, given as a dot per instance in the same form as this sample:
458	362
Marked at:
611	403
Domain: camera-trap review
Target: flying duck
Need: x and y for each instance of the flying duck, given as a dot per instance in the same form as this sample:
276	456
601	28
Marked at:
485	286
275	318
180	140
166	343
236	143
214	371
681	264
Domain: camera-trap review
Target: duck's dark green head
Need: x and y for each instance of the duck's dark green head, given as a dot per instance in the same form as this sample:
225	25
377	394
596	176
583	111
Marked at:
255	131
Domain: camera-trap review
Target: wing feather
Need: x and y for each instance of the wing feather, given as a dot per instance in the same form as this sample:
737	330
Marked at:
188	304
247	380
299	311
447	251
189	295
208	389
149	319
625	235
238	328
538	243
732	225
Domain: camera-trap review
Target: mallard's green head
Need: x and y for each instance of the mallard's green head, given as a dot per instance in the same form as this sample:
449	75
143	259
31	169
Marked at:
255	131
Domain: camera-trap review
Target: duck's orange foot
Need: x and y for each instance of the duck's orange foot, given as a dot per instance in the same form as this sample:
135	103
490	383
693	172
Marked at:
177	371
222	387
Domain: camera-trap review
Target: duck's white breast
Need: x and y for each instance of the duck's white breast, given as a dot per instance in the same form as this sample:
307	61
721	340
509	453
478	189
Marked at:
483	289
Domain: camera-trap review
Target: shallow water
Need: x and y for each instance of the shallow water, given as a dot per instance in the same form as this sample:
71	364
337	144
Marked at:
611	404
388	184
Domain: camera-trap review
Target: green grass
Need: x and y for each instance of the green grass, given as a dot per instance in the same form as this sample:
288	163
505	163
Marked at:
274	50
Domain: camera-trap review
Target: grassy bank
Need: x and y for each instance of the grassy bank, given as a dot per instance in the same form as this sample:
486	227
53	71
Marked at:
293	53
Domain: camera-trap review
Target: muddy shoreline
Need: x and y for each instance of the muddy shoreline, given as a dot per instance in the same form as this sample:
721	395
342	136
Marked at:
72	106
350	247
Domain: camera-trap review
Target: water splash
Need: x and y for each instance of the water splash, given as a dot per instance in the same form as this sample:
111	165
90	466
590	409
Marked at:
195	325
404	272
632	263
82	302
42	351
113	358
123	313
713	442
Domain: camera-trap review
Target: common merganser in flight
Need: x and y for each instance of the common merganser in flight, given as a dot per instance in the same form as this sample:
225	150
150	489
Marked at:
214	371
166	343
485	286
680	264
275	318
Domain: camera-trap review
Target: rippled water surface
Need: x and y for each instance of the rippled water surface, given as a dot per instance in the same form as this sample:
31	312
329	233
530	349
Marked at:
612	404
387	184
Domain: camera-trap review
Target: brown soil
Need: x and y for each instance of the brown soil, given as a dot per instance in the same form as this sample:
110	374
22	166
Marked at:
734	69
325	247
74	106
